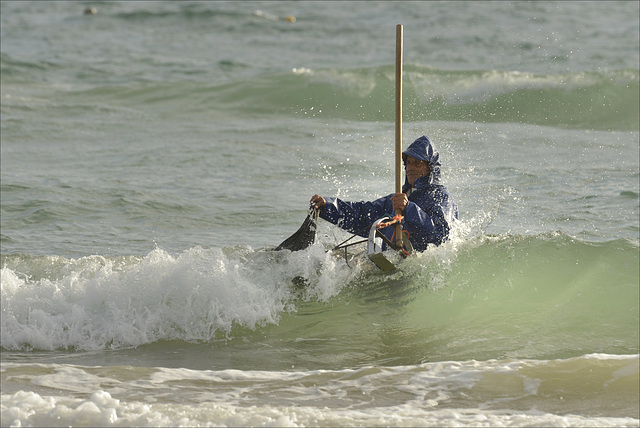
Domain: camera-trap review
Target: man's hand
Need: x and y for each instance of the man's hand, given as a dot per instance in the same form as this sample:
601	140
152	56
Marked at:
318	201
399	201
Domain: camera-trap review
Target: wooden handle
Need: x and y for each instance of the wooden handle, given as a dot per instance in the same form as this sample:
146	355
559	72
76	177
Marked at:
399	108
398	163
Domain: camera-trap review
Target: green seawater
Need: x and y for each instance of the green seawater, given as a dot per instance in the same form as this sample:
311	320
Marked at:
154	153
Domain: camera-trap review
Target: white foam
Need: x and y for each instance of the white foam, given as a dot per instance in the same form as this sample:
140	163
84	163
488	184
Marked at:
451	393
101	409
95	303
481	87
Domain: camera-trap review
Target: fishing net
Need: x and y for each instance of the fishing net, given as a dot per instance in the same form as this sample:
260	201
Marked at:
305	235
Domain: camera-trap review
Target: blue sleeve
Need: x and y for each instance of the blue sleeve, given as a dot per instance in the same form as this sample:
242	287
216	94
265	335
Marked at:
423	228
356	217
428	219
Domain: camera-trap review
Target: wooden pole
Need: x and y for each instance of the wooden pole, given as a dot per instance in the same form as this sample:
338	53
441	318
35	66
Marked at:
398	163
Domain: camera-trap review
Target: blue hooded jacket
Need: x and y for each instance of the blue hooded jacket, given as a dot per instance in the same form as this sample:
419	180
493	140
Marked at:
427	217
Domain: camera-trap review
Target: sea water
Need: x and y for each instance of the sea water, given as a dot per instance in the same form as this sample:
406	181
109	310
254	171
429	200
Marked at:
153	153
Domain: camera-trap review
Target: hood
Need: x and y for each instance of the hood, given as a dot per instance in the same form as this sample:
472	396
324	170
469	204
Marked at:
423	149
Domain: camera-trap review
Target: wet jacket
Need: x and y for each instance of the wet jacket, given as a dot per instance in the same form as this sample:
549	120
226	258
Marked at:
427	217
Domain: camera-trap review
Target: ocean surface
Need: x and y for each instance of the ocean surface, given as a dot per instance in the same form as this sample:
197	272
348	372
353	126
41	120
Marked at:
154	153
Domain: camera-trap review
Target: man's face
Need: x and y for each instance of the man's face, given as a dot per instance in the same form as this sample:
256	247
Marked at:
415	169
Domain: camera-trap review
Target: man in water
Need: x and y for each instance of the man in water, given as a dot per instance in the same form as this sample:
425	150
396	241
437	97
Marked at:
426	205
